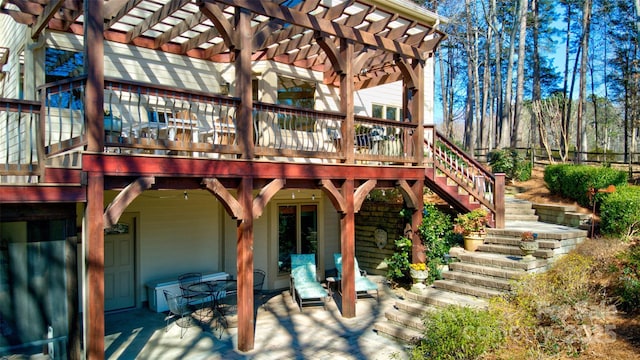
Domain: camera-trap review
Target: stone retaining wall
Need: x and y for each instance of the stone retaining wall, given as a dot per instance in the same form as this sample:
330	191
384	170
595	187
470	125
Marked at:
373	216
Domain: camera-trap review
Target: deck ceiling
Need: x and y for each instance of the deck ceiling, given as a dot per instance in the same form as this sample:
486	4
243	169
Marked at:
286	31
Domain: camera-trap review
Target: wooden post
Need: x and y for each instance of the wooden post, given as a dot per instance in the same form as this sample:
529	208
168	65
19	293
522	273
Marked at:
418	249
245	267
347	248
94	100
416	105
498	200
244	120
346	100
95	267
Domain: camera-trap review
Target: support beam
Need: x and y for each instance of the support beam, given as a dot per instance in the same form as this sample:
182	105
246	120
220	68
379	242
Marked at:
125	198
246	320
267	192
348	250
361	194
346	99
94	101
244	124
94	235
499	200
230	204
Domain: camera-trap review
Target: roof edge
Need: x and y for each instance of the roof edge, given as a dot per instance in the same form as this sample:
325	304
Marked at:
410	9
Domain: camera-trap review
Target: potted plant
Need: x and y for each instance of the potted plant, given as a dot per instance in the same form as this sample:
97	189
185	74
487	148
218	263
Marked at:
419	272
472	227
528	245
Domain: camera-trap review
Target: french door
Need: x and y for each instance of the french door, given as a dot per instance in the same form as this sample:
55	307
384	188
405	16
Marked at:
297	233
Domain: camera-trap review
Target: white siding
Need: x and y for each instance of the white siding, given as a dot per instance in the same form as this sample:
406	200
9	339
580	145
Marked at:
12	36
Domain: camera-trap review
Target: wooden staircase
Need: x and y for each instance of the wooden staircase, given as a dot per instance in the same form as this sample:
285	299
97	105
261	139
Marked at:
461	181
474	277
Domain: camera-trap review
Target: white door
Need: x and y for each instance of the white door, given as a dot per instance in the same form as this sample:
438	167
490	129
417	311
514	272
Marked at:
119	265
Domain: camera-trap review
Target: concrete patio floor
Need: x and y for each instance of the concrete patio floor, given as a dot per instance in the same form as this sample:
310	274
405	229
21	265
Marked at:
282	332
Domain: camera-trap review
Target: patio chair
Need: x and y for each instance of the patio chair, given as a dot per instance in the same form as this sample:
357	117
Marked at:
304	285
363	284
177	309
258	282
192	297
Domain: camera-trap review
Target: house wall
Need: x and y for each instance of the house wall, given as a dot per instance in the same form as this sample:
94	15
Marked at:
9	86
176	236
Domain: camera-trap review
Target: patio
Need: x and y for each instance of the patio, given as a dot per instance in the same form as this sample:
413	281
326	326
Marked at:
282	332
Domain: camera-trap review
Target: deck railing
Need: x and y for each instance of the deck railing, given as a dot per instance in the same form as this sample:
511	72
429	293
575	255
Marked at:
145	119
449	160
19	152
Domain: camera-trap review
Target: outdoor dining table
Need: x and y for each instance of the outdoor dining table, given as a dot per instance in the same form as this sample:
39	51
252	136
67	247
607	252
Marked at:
216	289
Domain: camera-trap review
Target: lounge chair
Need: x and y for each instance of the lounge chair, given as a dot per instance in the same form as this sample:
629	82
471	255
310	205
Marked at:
363	284
304	286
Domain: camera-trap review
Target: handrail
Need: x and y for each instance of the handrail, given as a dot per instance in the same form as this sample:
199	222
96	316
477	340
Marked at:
485	187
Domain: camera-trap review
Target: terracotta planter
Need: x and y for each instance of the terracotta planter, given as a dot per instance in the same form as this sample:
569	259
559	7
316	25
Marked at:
473	240
528	248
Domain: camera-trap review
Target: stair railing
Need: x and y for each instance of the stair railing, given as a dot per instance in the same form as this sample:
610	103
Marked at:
447	159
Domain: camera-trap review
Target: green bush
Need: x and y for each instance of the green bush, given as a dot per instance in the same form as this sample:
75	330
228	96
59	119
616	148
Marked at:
511	163
575	181
456	332
398	263
437	236
620	212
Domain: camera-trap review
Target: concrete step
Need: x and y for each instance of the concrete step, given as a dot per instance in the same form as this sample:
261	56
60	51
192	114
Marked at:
405	320
441	298
545	231
397	332
413	307
543	244
520	217
463	288
490	282
508	274
502	261
514	251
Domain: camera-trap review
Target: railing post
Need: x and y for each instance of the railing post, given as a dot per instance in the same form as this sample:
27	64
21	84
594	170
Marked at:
498	200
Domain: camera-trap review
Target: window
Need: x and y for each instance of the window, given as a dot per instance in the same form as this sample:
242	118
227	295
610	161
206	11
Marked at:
296	93
386	112
297	233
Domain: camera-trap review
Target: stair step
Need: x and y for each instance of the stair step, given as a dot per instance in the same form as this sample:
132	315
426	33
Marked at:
398	332
467	289
487	270
478	280
545	231
442	298
521	217
413	307
515	251
543	244
405	320
498	260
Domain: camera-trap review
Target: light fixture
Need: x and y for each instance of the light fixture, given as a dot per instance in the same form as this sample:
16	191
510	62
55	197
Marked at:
313	196
186	196
293	195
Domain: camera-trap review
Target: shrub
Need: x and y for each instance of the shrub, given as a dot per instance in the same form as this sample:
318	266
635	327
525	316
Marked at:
457	332
511	163
437	236
575	181
398	263
620	212
627	288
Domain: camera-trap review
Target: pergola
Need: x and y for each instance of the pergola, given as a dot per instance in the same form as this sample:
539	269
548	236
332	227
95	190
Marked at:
304	34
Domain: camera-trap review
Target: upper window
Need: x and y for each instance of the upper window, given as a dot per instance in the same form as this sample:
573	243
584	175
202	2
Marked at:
386	112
